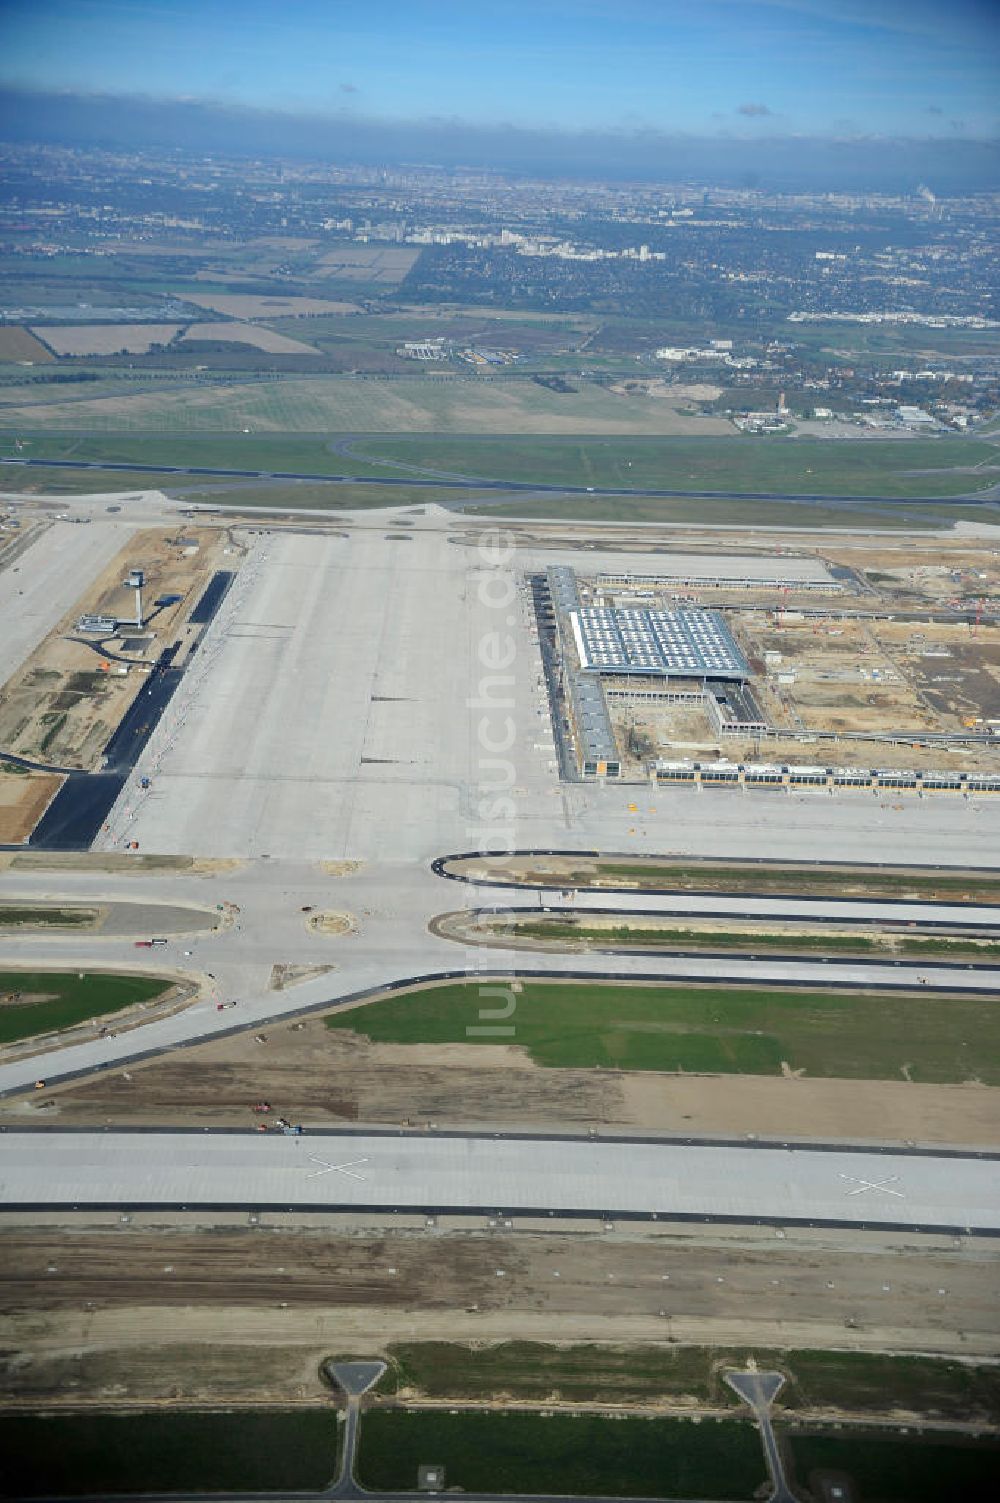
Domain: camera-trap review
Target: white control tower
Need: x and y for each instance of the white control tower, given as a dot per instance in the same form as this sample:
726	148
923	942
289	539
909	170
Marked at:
135	581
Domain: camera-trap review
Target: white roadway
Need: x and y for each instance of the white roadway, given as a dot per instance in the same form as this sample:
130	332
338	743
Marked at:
456	1173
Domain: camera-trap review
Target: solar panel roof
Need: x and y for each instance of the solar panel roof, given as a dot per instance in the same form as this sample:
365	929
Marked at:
686	643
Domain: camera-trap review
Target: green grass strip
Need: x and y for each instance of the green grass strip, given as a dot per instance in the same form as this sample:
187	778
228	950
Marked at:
74	998
575	1454
705	1030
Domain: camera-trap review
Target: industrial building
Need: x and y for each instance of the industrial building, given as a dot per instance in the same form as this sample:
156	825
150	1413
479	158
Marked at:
582	694
794	778
603	653
668	644
796	574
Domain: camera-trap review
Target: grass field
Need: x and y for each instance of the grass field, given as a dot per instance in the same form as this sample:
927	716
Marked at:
103	1454
585	1373
56	918
343	404
894	1469
587	1454
307	453
824	467
71	998
726	939
624	511
710	1030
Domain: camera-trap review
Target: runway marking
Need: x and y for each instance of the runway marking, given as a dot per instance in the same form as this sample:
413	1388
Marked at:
873	1184
347	1168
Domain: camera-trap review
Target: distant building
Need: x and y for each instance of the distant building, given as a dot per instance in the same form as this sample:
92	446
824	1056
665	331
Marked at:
915	417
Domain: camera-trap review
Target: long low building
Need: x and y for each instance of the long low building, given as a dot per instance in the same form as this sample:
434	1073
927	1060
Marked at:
466	1174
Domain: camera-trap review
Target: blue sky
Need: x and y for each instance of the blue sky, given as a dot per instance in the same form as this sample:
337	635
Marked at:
705	67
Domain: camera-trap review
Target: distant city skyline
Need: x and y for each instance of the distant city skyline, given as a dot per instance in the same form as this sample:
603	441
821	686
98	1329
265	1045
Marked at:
718	68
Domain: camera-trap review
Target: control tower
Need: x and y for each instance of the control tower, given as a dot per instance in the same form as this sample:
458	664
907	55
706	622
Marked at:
136	580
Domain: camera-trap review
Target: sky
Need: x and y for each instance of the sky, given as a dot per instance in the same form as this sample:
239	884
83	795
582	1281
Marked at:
753	70
820	67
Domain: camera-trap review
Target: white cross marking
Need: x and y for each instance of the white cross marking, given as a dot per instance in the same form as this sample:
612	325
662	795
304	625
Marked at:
873	1184
347	1168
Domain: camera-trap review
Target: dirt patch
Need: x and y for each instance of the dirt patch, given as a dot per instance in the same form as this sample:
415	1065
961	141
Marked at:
340	868
25	999
131	1311
325	1077
332	923
284	976
24	797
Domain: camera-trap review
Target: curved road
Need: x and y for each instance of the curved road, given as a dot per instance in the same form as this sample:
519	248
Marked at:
391	949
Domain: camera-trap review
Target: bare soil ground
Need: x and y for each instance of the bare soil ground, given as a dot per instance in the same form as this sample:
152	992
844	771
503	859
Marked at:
19	344
106	339
252	334
170	1311
721	876
60	706
244	305
24	797
326	1077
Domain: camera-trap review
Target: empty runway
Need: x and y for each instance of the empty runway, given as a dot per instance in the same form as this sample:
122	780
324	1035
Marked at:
472	1174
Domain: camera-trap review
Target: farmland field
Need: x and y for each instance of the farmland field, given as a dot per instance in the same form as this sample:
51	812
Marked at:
382	264
19	344
106	339
253	334
245	305
712	1030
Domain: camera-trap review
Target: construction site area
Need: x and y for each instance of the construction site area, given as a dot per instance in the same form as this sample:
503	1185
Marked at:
61	709
849	670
